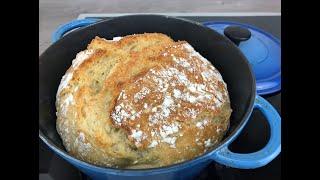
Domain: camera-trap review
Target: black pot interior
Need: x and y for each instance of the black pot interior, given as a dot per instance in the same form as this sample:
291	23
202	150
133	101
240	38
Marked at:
220	51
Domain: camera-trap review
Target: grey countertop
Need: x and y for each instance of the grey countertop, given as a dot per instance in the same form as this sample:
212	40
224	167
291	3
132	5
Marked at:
53	13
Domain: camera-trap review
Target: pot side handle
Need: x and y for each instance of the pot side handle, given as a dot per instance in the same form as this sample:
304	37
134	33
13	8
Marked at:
63	29
265	155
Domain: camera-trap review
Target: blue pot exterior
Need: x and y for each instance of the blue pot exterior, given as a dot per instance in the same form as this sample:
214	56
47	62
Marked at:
187	172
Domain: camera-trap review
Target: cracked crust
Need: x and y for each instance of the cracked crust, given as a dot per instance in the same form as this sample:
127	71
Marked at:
140	102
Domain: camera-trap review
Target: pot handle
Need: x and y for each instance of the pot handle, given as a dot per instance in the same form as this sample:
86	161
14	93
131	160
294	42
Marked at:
63	29
262	157
237	34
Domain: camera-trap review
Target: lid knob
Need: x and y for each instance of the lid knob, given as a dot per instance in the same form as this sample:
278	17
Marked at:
237	34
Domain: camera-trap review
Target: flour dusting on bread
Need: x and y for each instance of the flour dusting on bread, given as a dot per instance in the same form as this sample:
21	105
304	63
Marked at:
141	100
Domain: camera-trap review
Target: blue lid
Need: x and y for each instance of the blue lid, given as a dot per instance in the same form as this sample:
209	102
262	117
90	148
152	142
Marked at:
263	52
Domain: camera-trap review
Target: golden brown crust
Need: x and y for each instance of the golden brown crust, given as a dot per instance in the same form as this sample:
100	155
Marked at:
142	101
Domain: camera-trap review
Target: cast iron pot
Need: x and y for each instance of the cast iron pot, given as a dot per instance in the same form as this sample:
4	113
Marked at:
224	55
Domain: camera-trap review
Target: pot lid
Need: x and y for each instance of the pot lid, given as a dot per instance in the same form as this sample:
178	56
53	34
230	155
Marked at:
262	50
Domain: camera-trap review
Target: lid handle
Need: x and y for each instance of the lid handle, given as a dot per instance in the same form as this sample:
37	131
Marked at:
237	34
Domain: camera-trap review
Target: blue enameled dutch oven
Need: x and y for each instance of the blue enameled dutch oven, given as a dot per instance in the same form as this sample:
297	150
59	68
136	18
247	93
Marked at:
222	52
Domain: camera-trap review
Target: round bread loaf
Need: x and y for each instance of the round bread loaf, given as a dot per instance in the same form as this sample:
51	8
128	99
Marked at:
141	101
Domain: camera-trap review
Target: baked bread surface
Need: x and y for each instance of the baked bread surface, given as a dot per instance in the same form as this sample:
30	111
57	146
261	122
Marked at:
141	101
